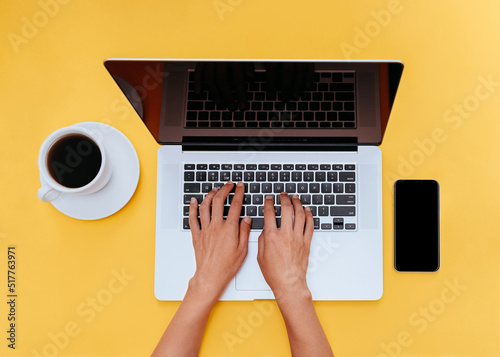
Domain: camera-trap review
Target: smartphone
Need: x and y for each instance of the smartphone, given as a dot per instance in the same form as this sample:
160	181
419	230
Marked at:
416	225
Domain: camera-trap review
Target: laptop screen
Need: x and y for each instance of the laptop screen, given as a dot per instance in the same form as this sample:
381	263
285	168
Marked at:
260	103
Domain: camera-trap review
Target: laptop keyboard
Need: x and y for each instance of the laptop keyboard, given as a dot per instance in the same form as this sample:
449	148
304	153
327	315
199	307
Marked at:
329	104
329	189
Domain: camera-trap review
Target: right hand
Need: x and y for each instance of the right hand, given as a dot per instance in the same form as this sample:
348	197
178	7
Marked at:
283	254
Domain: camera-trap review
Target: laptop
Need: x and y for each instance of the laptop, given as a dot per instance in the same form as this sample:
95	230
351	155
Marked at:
306	127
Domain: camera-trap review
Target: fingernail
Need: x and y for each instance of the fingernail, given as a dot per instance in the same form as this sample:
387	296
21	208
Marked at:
308	208
215	188
193	200
229	183
239	183
247	220
268	197
295	196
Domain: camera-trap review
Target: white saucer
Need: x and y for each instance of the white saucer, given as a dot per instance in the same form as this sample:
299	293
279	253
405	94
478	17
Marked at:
121	186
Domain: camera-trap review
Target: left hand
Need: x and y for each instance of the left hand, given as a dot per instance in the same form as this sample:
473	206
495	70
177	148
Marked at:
220	245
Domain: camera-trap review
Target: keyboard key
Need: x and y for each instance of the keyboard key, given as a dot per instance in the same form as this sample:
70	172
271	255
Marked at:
338	223
329	199
290	187
300	167
189	176
188	166
337	167
314	187
302	188
237	176
239	167
343	96
249	176
257	199
206	187
251	167
267	187
314	210
308	176
185	223
338	188
350	226
284	176
346	116
342	211
263	167
261	176
347	176
201	166
317	199
225	176
350	188
247	199
272	176
257	223
214	167
346	199
288	167
325	167
227	166
192	187
350	167
187	198
213	176
316	223
312	167
305	199
279	187
255	188
320	176
296	176
326	226
251	211
326	187
186	211
323	211
201	176
331	176
276	167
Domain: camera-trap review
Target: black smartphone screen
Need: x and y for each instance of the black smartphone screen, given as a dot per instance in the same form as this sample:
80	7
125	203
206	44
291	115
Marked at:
416	225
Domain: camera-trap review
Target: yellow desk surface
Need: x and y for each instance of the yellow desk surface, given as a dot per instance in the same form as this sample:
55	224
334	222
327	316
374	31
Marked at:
86	288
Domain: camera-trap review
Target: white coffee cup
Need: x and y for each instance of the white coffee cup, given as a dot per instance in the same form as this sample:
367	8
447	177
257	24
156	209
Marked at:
51	188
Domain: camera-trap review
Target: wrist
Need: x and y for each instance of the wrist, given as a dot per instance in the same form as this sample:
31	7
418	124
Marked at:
203	290
296	293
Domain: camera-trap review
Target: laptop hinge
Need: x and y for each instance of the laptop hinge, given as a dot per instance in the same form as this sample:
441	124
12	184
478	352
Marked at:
274	144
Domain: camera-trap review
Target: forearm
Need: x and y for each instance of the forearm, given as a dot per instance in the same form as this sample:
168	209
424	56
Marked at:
305	334
184	333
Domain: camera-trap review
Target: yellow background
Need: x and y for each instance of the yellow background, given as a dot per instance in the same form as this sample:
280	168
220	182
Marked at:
54	76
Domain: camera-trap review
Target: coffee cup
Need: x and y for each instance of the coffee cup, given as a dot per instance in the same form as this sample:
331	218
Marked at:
72	160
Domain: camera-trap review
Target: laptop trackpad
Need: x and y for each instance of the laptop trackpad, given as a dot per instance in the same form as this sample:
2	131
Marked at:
250	277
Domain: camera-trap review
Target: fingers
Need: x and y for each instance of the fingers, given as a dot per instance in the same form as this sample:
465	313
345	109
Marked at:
309	228
286	211
205	208
245	225
236	203
300	216
269	214
219	199
193	217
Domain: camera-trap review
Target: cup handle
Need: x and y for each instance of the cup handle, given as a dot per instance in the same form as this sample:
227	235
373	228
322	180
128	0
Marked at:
47	193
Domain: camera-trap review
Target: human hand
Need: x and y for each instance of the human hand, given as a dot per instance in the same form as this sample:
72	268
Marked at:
224	80
220	245
283	253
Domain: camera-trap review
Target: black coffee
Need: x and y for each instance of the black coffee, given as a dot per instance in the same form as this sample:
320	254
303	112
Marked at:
74	160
